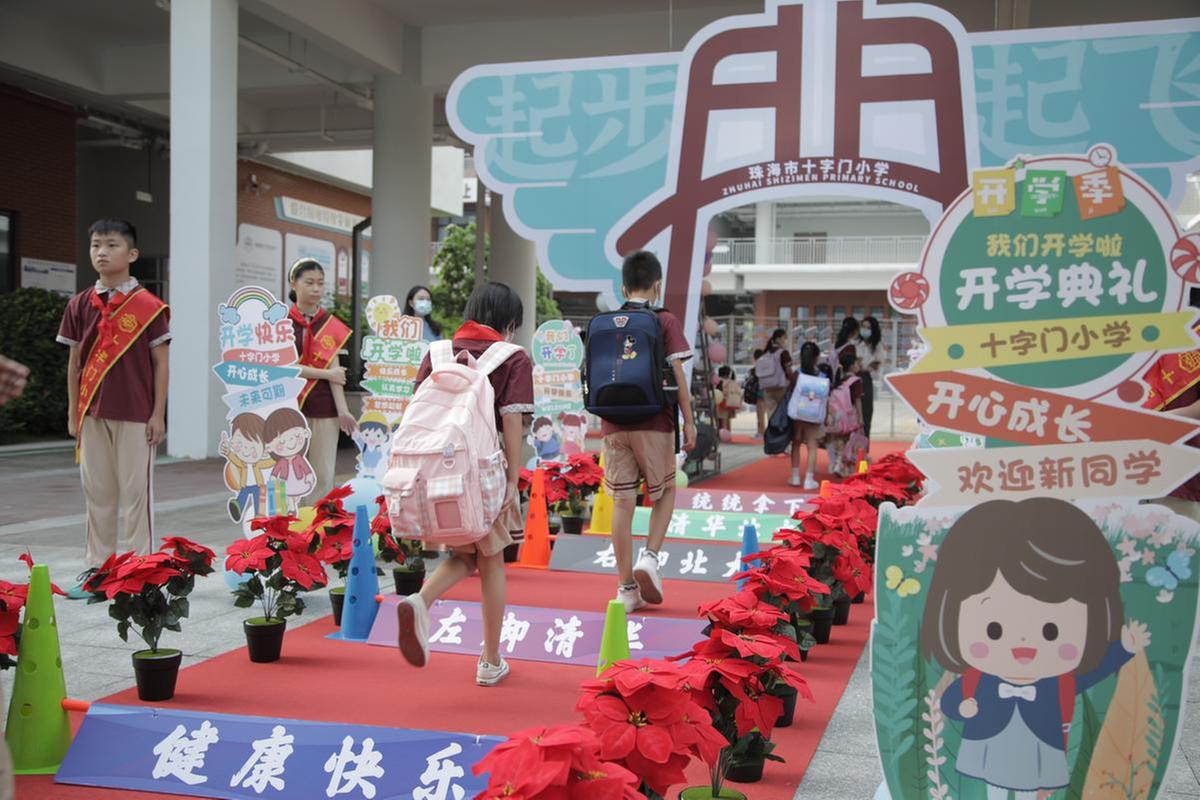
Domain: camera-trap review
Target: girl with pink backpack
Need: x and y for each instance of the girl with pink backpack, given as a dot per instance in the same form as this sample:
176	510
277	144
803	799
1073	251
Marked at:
844	433
454	466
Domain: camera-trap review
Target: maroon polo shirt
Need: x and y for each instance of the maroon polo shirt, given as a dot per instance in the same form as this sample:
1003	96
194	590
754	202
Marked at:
676	347
512	381
127	392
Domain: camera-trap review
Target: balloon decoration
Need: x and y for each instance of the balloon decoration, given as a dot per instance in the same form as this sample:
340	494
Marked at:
717	353
726	435
601	303
710	326
363	493
681	479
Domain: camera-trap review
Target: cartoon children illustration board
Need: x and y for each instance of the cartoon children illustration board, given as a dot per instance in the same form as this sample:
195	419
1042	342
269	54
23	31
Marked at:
391	356
1036	609
267	440
559	424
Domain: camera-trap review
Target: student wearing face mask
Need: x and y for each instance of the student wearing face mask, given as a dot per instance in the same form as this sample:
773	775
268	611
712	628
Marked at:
419	303
872	354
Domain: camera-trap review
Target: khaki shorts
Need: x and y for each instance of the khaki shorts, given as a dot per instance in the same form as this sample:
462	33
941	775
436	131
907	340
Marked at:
633	456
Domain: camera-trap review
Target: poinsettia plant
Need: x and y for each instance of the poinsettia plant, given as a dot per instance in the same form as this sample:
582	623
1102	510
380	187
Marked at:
651	720
281	565
149	593
558	763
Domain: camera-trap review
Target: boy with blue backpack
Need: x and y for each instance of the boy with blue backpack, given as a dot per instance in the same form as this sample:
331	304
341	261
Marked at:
631	355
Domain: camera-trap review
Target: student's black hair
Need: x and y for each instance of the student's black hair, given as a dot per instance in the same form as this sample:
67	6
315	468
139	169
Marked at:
876	334
809	353
121	227
825	370
640	271
772	346
725	372
758	353
408	309
495	305
848	331
298	268
846	360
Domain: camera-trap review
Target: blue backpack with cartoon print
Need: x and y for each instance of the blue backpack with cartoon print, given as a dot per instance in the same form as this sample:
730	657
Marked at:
624	366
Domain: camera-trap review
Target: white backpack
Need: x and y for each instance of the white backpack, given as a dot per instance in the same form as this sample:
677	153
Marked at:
446	474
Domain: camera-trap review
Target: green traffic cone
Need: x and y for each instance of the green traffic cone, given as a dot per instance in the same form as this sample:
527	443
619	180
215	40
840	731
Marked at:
38	732
614	646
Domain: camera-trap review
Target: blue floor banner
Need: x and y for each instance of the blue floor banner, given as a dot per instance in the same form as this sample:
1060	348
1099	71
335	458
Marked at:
203	754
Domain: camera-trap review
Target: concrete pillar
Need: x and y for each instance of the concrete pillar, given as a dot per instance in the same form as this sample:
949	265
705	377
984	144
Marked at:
402	164
764	233
204	53
514	262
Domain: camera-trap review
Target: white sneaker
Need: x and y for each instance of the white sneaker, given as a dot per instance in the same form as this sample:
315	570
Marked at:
413	630
632	598
810	484
490	674
795	479
648	580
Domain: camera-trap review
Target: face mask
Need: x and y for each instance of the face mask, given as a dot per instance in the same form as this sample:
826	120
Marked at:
423	308
865	333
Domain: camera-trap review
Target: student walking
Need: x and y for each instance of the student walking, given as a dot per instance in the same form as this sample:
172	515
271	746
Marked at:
808	431
493	314
629	353
116	394
872	354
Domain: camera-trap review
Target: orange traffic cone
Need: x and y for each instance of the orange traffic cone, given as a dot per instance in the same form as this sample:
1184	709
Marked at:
826	488
535	552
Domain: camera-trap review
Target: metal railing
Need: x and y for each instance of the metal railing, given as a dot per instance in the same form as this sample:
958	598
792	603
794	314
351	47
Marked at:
821	250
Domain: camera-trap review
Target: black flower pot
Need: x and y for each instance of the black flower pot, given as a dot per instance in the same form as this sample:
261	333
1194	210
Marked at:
337	599
264	638
408	581
789	707
804	655
512	553
841	611
156	673
572	524
859	598
745	771
822	623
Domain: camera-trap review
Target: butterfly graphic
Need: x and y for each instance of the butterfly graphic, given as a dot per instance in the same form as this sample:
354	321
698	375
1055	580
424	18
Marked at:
1168	577
894	579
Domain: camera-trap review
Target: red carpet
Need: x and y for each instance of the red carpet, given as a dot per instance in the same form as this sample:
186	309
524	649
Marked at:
771	473
319	679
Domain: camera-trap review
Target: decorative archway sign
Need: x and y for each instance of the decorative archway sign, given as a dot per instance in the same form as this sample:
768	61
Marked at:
1035	618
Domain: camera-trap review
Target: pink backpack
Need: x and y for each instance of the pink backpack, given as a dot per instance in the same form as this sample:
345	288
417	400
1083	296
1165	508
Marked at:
842	417
447	472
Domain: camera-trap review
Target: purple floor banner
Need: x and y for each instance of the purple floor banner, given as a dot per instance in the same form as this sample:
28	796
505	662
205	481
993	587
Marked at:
739	501
199	754
539	634
710	562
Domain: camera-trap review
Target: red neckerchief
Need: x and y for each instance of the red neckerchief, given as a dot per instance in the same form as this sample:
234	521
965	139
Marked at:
106	309
477	331
298	318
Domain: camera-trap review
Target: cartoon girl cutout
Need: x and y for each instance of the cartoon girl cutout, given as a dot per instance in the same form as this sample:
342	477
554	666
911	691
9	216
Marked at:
1025	607
287	436
574	433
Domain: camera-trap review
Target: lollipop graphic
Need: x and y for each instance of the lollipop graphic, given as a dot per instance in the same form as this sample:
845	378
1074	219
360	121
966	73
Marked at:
909	291
1185	258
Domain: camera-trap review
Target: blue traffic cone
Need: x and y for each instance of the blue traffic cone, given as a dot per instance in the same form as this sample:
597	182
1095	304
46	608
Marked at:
358	613
749	546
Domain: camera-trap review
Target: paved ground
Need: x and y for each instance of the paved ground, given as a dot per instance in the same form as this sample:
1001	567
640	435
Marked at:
41	509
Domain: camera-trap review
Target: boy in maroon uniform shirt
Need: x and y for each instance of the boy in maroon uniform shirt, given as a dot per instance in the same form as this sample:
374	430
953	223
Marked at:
117	392
646	450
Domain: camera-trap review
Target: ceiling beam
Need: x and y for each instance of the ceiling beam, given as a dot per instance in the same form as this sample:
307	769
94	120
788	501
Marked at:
357	31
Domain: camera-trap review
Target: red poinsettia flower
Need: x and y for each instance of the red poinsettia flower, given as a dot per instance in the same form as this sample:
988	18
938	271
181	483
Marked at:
302	568
138	563
744	610
13	595
331	504
713	657
188	551
853	572
337	546
583	471
604	781
756	708
793	679
279	527
9	623
133	581
538	759
761	645
627	677
249	555
637	732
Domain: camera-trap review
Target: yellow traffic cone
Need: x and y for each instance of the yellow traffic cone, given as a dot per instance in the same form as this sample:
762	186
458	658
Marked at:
38	732
614	644
602	508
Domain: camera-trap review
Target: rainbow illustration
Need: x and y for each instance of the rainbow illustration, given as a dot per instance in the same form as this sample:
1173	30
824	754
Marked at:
229	312
248	293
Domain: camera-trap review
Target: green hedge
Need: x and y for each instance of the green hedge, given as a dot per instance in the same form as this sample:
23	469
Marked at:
29	320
